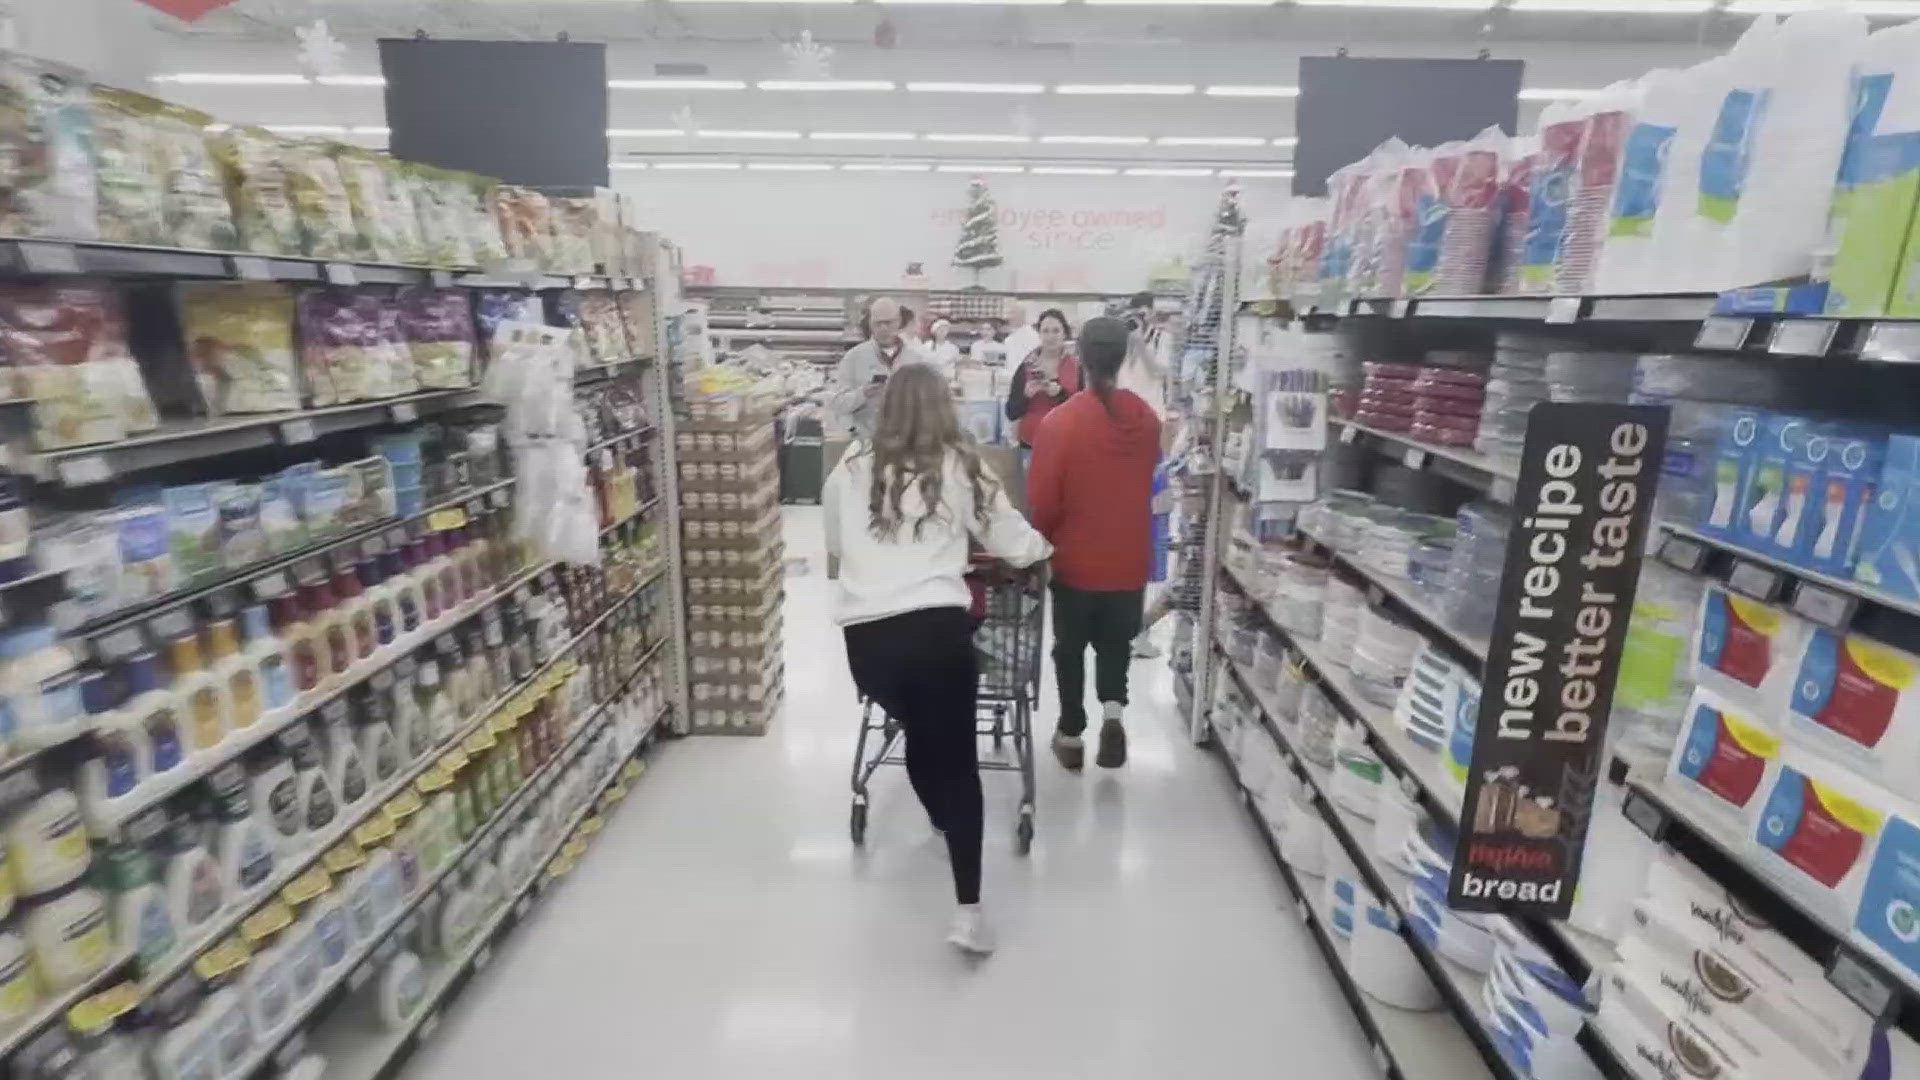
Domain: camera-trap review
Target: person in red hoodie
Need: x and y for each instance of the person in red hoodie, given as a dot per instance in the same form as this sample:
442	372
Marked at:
1091	490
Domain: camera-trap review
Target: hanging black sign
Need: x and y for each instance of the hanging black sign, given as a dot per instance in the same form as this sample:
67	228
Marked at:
1580	513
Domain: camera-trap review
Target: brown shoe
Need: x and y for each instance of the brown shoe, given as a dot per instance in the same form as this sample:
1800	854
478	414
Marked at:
1071	750
1113	746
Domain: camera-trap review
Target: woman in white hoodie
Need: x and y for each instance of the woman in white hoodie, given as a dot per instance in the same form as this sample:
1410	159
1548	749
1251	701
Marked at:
901	510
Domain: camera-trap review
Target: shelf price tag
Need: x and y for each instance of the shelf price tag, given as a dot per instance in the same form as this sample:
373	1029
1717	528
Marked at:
1399	309
307	886
404	412
440	279
84	470
483	957
360	976
1802	337
522	906
1562	310
339	273
1682	553
450	518
1500	488
46	257
1723	332
1892	343
1760	582
1414	458
294	432
1646	815
1862	984
290	1051
1381	1060
430	1025
251	267
1829	607
266	922
344	858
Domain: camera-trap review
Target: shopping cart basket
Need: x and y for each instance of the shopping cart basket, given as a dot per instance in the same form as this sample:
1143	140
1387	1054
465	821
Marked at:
1010	611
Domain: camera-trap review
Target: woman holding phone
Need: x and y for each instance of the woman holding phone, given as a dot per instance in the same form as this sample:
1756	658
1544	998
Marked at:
1046	377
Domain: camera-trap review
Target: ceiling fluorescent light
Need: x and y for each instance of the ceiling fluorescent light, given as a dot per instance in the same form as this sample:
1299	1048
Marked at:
222	78
1211	140
691	166
627	165
1616	7
306	129
962	167
976	88
1073	170
824	84
1429	5
996	3
884	166
1096	140
1253	91
350	80
676	84
985	136
1273	174
864	136
1169	172
1189	3
788	166
1287	140
644	133
370	129
1150	89
722	133
1873	9
1547	94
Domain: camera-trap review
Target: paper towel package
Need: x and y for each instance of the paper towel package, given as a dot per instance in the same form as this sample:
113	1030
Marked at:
1873	201
1628	261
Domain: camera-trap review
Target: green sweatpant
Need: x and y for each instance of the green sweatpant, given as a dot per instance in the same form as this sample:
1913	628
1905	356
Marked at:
1107	621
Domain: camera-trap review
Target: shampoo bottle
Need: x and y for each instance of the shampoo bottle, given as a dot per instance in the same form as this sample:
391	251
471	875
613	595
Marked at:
199	698
190	881
238	679
406	595
156	712
275	794
268	658
243	842
409	721
346	769
319	803
142	923
113	773
380	601
380	749
355	610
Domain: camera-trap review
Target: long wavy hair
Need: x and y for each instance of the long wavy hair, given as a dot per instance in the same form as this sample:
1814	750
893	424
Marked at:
915	432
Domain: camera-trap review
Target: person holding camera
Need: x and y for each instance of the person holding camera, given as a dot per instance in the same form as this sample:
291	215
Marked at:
1046	377
862	374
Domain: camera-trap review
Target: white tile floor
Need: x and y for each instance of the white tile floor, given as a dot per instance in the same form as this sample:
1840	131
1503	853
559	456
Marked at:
724	926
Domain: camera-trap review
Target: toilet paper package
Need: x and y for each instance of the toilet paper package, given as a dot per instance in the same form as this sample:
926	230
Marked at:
1556	167
1816	830
1873	199
1746	651
1855	700
1724	758
1628	261
1679	235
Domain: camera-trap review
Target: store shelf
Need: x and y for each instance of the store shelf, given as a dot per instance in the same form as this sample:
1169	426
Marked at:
1555	310
1406	1045
1407	598
193	440
286	870
592	373
642	432
1439	791
635	516
56	1006
357	1050
1837	602
1459	464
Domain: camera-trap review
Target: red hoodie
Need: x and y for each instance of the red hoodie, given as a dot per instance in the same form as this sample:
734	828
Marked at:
1091	489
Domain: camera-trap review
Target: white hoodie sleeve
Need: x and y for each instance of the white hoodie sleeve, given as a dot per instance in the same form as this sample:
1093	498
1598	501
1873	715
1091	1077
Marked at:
1008	537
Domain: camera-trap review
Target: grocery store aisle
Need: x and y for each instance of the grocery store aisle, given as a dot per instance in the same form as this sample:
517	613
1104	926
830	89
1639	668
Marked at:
725	926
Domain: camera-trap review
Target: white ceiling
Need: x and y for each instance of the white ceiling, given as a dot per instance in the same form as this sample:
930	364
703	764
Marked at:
1197	43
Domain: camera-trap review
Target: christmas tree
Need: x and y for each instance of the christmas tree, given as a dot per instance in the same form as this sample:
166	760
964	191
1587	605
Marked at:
979	246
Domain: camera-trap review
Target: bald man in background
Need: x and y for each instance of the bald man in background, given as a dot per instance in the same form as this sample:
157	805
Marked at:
862	372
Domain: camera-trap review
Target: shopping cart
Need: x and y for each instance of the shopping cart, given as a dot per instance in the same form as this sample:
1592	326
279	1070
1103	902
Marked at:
1009	610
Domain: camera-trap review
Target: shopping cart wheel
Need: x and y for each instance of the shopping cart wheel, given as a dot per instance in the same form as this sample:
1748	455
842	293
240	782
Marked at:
1023	832
857	821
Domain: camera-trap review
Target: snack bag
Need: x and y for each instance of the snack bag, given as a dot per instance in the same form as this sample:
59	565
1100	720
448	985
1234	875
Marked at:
320	203
46	150
363	175
438	327
526	224
67	346
193	196
489	247
129	167
252	164
346	349
239	341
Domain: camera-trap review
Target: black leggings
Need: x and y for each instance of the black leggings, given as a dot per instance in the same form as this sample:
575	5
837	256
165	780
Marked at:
919	666
1107	621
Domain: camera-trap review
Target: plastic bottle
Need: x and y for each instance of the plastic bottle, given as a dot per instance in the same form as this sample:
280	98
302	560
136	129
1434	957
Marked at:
267	656
113	773
331	650
373	730
435	704
267	984
345	768
20	990
453	673
406	594
446	571
105	1051
183	1047
142	923
156	712
244	843
199	698
296	634
238	679
401	990
231	1026
494	637
47	841
332	935
380	601
303	959
479	677
421	570
409	721
69	935
275	794
319	802
355	612
191	882
41	687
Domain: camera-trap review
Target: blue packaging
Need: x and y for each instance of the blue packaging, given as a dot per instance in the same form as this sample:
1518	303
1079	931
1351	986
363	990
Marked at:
1830	541
1890	529
1802	511
1732	466
1763	501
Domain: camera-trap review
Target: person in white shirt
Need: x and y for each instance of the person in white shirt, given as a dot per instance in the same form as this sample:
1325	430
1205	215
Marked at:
862	372
944	355
1022	336
900	509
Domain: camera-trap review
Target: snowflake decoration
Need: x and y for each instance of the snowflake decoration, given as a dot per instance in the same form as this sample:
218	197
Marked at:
683	119
807	58
1022	122
320	52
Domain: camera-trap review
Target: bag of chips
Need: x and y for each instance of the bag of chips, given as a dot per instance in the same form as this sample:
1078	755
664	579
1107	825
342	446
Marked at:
46	154
363	174
600	320
193	195
574	220
252	164
350	347
320	203
239	342
526	224
66	346
129	167
438	327
489	247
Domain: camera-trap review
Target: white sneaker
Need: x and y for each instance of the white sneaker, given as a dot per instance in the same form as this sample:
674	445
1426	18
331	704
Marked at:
1144	648
970	932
